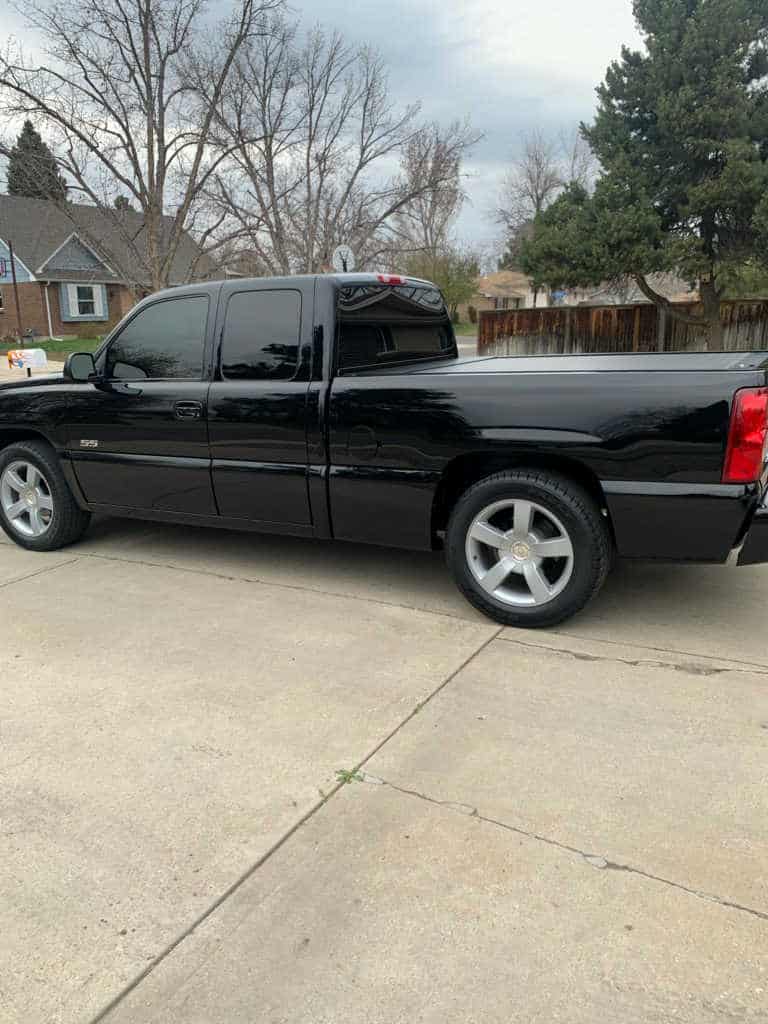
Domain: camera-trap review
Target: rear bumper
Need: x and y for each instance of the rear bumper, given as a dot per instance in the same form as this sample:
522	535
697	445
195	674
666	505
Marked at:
681	522
754	548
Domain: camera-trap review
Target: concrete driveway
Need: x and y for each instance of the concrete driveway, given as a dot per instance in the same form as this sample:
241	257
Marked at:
563	826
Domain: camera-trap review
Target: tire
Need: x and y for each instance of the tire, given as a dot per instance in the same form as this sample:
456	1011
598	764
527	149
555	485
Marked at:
528	548
31	480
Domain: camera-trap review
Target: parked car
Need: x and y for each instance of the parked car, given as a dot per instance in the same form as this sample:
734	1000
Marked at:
337	406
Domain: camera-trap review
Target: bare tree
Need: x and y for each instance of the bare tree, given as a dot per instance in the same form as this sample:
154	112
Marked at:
128	92
532	182
314	148
423	225
579	164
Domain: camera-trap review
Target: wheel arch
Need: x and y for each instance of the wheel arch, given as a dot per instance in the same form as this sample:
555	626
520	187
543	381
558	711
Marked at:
465	470
10	434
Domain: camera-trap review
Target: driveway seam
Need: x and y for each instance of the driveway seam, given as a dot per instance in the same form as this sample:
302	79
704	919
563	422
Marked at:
39	572
249	872
594	860
258	581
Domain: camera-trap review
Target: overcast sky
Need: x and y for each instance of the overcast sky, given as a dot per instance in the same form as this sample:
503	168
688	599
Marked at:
510	65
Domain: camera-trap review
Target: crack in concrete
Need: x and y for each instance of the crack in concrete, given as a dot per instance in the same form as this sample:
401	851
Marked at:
690	668
39	572
649	647
594	860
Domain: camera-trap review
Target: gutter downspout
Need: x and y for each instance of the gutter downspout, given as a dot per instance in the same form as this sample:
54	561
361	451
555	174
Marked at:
48	311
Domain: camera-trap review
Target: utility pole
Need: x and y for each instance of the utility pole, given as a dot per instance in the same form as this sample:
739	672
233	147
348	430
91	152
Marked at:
15	290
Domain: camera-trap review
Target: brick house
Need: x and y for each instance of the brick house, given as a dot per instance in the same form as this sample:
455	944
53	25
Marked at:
506	289
68	267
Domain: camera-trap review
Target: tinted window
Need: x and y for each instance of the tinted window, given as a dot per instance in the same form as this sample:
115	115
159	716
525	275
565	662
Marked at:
368	344
389	325
261	335
165	340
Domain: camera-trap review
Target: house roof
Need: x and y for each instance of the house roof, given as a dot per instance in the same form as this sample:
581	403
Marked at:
504	284
103	245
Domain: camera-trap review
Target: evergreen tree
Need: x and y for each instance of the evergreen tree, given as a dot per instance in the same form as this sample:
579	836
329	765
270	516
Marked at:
32	168
681	135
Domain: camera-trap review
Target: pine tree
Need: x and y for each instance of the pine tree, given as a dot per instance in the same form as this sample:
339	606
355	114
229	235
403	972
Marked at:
681	135
32	168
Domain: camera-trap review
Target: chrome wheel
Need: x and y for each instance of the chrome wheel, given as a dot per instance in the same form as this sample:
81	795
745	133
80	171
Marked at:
26	499
519	553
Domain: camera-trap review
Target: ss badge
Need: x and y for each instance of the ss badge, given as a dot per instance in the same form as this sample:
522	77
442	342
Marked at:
89	444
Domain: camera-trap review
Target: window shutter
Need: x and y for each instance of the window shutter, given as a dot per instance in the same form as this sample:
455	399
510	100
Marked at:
99	300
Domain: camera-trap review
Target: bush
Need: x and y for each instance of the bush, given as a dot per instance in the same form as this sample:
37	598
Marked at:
472	314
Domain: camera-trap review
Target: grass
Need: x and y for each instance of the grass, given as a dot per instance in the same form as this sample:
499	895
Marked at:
465	329
53	347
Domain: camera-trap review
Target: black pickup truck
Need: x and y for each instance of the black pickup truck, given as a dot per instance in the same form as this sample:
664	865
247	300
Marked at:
338	406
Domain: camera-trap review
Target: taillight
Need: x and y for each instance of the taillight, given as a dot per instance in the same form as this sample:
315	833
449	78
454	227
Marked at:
745	454
391	279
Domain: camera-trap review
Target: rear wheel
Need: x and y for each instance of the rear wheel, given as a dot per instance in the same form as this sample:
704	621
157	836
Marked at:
37	508
528	548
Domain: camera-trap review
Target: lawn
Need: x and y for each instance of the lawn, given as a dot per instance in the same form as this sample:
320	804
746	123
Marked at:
465	329
53	347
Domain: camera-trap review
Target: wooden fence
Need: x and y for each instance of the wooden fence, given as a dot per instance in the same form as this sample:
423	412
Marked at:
636	328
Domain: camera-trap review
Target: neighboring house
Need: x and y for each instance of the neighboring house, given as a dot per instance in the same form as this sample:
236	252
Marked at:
511	289
506	289
627	293
68	267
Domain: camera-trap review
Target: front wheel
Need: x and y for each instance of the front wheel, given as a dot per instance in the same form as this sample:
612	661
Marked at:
37	508
528	548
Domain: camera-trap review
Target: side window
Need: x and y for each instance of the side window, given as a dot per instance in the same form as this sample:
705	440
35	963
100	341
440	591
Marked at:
261	335
163	341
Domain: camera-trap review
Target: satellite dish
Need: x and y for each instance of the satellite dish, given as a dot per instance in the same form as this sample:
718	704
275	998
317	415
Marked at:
343	259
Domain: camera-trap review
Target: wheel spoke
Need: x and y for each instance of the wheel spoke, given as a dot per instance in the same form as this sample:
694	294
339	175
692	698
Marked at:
44	500
15	481
16	509
35	521
523	518
33	476
558	547
496	575
487	534
539	587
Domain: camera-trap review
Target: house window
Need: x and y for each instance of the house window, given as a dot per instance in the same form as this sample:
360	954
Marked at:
86	300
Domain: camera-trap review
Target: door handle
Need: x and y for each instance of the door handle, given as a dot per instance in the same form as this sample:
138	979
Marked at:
188	410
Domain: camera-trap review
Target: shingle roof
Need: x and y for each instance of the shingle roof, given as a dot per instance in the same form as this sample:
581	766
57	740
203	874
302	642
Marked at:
38	227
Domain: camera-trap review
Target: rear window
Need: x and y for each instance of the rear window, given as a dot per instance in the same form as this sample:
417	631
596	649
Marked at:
379	326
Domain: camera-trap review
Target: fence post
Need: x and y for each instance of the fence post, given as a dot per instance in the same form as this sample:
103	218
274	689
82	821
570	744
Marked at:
636	331
661	330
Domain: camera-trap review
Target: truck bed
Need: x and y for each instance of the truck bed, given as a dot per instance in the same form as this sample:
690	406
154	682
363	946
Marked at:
637	361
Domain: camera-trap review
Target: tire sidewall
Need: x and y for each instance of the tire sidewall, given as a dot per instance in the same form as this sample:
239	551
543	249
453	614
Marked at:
588	568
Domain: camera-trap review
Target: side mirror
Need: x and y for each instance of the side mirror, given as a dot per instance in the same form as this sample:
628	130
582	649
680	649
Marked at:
80	367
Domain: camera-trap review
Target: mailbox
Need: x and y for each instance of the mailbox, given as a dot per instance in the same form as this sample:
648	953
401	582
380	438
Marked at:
28	359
